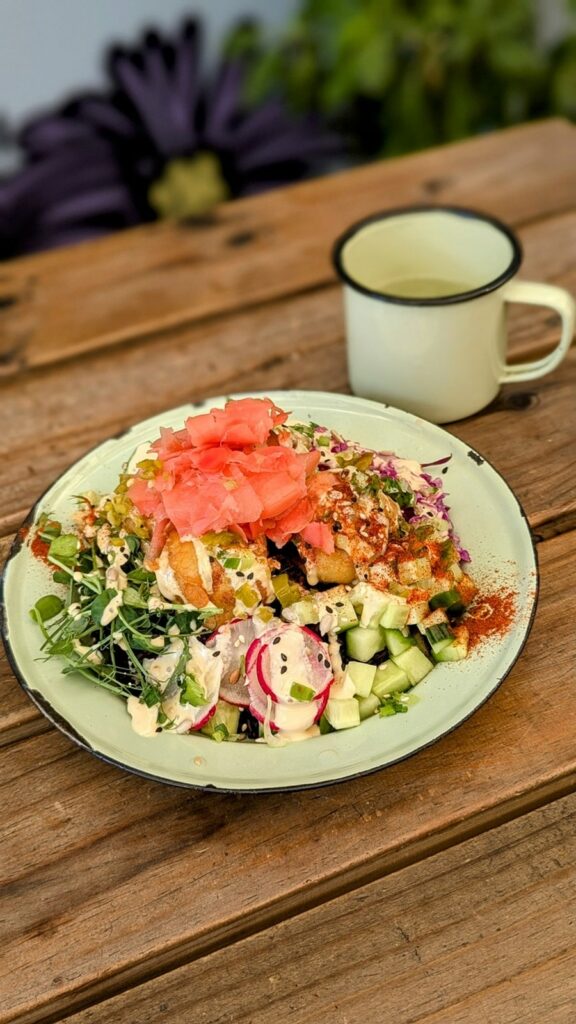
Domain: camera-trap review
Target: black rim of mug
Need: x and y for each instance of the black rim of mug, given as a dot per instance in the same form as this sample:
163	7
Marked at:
443	300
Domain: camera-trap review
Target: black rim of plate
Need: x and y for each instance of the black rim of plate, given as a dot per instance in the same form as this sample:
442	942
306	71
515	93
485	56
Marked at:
64	726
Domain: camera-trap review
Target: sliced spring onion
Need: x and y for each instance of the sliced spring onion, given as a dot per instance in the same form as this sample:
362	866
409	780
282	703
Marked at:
301	692
440	632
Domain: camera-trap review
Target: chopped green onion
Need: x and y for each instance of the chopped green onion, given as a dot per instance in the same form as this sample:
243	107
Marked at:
220	733
323	442
301	692
440	632
231	563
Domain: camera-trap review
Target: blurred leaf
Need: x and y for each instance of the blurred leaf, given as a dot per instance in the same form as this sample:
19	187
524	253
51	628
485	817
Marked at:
432	70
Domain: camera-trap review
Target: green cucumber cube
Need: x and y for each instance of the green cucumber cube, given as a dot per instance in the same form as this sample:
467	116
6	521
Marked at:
414	663
227	715
303	613
362	644
361	676
389	678
396	642
368	706
396	612
454	650
343	689
342	714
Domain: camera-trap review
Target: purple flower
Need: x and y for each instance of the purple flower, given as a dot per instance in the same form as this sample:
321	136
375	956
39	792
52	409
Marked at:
163	140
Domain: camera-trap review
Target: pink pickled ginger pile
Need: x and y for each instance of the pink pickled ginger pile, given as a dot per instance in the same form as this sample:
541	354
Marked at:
224	470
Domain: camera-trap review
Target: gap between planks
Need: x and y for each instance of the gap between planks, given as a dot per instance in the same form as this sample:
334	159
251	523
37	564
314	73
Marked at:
287	909
159	276
418	842
438	934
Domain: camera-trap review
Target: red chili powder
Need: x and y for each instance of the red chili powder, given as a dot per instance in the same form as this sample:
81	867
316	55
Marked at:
489	615
39	548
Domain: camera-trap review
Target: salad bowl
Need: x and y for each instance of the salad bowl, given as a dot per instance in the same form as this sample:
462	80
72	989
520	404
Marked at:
486	515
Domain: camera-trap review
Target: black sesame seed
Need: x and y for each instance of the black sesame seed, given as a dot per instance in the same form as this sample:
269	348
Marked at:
326	663
276	639
284	657
250	576
240	574
320	658
329	609
339	604
337	527
215	654
283	669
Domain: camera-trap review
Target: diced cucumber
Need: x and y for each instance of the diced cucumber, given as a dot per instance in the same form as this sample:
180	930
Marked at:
368	706
449	599
343	714
336	612
303	613
361	676
343	689
396	612
413	569
418	612
440	645
396	642
371	601
435	618
435	634
362	644
224	721
389	678
415	664
457	649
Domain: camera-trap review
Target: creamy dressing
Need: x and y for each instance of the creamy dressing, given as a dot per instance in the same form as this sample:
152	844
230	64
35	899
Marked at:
111	610
144	719
166	579
94	657
203	561
207	670
161	669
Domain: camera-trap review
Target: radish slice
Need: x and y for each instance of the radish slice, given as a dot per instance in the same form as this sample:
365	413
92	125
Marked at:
296	717
289	657
231	644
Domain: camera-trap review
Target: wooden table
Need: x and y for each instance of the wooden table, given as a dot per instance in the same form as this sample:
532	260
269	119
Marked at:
442	889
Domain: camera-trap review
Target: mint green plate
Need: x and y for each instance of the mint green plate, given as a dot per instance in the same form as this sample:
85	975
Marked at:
492	527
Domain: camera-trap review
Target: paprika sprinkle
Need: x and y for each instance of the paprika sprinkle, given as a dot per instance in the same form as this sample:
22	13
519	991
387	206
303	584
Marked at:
490	615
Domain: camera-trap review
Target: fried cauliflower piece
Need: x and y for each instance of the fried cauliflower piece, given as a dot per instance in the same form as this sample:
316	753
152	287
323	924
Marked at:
188	571
361	526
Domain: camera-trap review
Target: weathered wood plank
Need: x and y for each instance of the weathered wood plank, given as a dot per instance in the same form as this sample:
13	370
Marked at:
255	351
156	277
485	931
98	894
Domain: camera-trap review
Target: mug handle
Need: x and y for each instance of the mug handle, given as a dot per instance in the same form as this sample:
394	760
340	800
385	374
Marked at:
540	295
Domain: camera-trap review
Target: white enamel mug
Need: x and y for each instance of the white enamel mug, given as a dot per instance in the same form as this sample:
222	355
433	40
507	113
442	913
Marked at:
443	356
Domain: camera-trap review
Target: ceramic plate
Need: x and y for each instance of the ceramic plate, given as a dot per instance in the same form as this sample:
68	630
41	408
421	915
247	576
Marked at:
488	518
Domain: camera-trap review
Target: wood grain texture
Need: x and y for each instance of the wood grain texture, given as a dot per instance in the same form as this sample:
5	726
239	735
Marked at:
485	931
295	343
154	278
106	878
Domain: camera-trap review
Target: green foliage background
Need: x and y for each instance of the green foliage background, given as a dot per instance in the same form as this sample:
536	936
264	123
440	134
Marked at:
398	75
